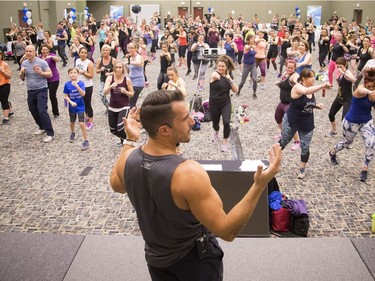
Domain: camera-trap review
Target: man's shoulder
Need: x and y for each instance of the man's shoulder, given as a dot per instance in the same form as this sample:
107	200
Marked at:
188	167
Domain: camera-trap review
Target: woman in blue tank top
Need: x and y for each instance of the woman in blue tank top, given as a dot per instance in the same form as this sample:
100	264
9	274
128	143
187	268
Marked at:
300	117
249	65
305	59
359	119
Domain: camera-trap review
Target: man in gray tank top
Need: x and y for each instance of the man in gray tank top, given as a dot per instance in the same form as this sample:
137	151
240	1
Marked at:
178	210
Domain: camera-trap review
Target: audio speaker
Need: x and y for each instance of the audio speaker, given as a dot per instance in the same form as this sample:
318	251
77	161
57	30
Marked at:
136	9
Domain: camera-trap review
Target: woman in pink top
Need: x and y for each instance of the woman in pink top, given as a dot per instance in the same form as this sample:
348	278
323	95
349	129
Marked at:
261	57
372	37
238	39
142	50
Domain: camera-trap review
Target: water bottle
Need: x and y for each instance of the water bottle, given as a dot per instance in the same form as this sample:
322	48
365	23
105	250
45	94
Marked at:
242	118
65	103
373	223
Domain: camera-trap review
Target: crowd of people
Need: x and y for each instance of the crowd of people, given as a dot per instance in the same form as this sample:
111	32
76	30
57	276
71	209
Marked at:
283	50
254	48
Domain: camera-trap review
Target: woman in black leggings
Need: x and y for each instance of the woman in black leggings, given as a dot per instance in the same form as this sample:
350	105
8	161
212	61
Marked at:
220	104
344	94
121	89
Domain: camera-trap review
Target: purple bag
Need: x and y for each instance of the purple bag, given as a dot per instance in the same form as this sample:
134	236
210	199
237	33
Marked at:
296	207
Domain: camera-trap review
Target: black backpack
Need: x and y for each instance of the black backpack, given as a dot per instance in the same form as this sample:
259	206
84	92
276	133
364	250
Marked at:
300	225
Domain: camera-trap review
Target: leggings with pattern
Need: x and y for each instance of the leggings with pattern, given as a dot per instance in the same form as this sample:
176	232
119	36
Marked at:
350	130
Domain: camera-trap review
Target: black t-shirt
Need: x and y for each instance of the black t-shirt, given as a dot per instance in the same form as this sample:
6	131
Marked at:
219	91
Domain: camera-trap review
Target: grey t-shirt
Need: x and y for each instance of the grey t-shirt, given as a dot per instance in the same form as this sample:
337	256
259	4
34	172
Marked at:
35	81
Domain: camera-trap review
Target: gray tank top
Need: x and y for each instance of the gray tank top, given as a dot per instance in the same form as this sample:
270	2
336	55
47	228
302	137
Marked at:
169	232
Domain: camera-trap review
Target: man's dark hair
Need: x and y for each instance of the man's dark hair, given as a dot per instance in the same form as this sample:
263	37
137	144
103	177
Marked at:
156	110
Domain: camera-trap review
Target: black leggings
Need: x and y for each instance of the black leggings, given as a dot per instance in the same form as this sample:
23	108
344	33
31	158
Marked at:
220	109
335	107
144	69
4	96
134	98
116	124
87	99
52	88
322	57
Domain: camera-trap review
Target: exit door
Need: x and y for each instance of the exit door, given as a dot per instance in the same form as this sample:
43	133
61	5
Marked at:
198	11
182	11
357	16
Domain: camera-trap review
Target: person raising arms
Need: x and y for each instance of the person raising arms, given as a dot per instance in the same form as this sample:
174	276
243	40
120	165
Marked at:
177	208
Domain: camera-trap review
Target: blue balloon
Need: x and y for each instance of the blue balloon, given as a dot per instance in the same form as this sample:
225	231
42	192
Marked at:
24	10
74	17
87	8
73	10
88	14
25	18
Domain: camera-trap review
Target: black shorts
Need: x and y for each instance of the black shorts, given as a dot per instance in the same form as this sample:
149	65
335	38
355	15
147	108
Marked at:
191	267
73	117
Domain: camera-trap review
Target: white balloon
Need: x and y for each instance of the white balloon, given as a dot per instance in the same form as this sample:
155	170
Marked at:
29	21
70	20
299	16
86	17
71	13
85	12
28	14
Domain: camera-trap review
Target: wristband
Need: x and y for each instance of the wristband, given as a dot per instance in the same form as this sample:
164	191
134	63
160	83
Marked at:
130	142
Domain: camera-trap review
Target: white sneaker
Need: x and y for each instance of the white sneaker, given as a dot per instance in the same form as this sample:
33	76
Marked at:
39	132
224	147
215	137
48	138
301	175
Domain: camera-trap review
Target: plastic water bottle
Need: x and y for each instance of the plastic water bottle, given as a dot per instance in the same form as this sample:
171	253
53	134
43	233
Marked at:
373	223
65	103
242	118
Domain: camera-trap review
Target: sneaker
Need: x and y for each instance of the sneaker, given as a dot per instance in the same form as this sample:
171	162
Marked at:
215	137
333	158
89	126
39	132
331	134
72	137
11	113
48	138
56	116
295	146
6	122
224	147
119	142
255	96
188	72
279	75
301	175
363	177
85	145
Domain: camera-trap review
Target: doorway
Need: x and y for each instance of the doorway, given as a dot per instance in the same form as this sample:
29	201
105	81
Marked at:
198	12
21	23
182	12
357	16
